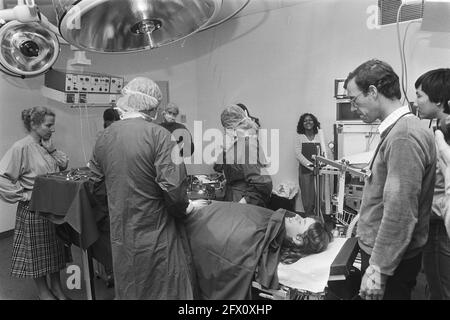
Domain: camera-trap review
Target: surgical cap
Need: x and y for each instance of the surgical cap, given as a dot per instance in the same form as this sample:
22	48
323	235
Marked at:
140	94
234	117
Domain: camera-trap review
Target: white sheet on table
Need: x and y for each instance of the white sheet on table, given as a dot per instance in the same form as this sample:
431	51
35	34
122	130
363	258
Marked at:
359	158
311	272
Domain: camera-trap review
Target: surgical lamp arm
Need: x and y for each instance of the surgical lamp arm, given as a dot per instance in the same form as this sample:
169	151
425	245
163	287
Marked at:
27	13
50	26
343	166
21	12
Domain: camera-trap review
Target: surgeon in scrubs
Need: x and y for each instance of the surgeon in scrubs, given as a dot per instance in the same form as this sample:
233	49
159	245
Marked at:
242	161
147	199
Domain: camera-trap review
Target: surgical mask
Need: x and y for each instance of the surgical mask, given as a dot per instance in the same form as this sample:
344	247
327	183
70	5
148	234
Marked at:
121	104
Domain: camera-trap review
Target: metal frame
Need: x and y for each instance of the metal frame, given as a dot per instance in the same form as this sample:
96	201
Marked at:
324	166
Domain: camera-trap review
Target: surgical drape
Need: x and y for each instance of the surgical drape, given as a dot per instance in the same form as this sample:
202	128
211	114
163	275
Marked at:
243	167
232	245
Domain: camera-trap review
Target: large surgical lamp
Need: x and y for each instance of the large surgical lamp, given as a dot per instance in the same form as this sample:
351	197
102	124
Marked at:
131	25
29	40
27	49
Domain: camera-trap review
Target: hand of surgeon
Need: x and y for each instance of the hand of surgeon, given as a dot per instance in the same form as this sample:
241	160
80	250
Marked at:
373	284
48	145
196	204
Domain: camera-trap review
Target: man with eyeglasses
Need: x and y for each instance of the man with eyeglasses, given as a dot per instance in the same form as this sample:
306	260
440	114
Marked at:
397	197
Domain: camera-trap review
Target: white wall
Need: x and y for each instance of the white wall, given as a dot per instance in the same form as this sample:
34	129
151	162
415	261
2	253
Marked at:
283	63
280	63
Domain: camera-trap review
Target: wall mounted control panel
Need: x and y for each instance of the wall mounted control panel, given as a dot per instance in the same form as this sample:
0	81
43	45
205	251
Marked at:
70	81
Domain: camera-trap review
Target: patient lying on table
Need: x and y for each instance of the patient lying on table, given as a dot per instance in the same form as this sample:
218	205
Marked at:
233	244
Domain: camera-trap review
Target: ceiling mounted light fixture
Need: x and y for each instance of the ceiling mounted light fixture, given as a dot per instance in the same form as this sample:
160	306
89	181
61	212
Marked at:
106	26
131	25
27	49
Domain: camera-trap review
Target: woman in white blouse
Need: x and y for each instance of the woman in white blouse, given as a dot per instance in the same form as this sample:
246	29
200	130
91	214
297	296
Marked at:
308	141
37	252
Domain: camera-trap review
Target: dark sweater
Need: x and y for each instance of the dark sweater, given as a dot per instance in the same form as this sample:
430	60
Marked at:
397	198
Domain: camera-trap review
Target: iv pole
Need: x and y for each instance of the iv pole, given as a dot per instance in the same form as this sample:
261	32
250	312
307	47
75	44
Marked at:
317	184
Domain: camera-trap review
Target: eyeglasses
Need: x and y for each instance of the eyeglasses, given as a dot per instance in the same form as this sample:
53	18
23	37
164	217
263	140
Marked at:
353	100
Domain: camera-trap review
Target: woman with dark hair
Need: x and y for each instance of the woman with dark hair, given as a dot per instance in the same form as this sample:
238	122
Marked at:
309	141
312	237
37	252
233	244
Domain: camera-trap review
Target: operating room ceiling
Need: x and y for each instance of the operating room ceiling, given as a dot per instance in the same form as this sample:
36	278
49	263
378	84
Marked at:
108	26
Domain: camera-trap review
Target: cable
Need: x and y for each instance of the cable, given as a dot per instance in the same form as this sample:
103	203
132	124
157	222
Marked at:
81	132
401	47
404	54
87	119
89	128
227	18
400	51
372	136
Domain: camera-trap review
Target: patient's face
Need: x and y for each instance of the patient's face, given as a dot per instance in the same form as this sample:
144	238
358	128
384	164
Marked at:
296	226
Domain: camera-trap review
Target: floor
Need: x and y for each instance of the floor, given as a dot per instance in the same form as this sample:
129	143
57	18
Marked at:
24	289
